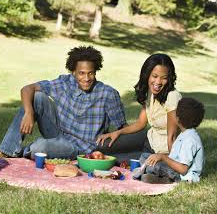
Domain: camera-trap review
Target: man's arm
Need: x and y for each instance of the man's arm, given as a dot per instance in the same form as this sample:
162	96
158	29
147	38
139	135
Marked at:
27	95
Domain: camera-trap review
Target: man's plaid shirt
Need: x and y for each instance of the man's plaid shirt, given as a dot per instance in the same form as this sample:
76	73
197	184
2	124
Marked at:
83	115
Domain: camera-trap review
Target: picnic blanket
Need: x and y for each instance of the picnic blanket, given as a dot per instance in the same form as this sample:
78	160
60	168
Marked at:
22	172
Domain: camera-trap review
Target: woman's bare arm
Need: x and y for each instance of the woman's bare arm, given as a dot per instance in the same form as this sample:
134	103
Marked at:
171	128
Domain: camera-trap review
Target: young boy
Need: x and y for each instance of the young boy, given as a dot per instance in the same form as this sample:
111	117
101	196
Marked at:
185	161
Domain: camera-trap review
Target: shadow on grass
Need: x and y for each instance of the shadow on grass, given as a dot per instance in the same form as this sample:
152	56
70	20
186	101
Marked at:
209	139
127	36
209	100
24	31
12	104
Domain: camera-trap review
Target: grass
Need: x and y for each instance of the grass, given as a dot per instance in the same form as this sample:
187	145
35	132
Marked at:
25	61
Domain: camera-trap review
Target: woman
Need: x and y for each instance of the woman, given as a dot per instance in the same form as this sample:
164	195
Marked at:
156	92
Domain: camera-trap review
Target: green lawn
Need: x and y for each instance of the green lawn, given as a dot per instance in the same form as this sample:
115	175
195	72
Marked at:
25	61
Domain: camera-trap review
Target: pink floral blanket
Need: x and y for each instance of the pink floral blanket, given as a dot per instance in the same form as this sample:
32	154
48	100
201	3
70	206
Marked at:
22	172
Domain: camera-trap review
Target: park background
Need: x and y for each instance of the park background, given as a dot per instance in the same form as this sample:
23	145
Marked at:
35	37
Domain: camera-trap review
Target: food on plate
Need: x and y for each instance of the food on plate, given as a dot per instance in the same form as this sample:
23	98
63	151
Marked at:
101	173
115	175
50	164
66	170
57	161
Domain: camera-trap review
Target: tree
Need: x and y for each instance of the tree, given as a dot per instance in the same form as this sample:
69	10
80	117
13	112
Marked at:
124	8
95	28
68	7
97	23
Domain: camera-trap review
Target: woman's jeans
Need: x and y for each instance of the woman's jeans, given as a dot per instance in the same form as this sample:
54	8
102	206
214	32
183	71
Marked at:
160	168
52	141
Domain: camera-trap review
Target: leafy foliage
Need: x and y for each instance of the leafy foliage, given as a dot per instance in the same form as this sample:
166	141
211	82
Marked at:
66	6
189	11
16	19
16	10
209	25
157	7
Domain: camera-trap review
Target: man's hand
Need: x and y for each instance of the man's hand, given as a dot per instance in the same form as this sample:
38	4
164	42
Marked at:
27	123
113	135
154	158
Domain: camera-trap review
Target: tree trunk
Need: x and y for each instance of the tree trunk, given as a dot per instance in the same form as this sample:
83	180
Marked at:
59	21
97	23
124	8
71	23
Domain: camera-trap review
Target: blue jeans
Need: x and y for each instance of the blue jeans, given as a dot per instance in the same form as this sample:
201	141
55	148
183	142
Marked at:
52	141
160	169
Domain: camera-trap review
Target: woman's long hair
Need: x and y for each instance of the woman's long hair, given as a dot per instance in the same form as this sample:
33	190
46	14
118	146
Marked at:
141	88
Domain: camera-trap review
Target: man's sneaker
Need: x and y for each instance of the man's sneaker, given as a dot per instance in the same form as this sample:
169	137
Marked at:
2	155
154	179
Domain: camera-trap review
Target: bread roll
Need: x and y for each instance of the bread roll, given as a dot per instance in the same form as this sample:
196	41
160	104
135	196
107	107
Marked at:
66	170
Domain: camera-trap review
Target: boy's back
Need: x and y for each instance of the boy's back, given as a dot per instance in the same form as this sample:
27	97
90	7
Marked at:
188	150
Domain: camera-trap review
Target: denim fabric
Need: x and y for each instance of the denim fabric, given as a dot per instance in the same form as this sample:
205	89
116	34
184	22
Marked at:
57	147
160	169
52	141
11	144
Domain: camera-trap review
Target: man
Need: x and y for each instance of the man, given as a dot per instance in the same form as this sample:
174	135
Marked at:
71	111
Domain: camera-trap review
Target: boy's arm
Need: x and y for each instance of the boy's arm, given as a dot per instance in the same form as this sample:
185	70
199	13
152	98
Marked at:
178	167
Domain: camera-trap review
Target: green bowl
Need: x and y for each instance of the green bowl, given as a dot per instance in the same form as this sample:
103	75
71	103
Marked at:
88	165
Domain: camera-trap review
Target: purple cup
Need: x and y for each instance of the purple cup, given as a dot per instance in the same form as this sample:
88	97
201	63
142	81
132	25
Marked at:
134	164
40	159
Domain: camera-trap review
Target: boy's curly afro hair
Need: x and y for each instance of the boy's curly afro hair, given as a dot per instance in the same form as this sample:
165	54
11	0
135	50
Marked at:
83	53
190	112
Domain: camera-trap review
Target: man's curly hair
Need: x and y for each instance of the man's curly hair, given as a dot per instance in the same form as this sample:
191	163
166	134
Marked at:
190	112
83	53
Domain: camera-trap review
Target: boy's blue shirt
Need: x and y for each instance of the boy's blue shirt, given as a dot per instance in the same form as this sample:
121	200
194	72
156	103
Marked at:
188	149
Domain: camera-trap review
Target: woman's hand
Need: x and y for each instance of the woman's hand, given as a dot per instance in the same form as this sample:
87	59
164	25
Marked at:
113	135
27	123
153	159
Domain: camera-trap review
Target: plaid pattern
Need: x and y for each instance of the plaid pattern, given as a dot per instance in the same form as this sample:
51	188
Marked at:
83	115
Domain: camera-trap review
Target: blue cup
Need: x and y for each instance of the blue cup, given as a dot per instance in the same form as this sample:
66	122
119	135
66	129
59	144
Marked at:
134	164
40	159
